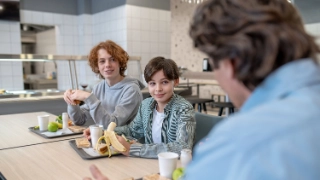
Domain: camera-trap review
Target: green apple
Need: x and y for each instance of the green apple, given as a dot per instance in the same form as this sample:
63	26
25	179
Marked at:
178	173
53	126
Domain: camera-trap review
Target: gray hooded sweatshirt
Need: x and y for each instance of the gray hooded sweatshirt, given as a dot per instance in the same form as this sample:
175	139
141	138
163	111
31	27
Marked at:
118	103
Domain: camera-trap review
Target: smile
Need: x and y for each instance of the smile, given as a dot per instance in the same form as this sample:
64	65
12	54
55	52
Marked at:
159	95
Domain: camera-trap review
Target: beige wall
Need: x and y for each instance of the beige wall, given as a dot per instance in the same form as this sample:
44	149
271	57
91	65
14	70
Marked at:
182	50
181	45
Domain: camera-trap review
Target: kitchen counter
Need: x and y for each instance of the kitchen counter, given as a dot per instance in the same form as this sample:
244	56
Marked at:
40	83
31	94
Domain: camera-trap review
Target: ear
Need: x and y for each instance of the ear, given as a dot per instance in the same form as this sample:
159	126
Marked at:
176	82
228	67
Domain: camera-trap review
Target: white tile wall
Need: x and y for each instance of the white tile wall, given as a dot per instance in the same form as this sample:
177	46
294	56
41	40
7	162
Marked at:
148	35
181	44
141	31
314	30
10	44
72	36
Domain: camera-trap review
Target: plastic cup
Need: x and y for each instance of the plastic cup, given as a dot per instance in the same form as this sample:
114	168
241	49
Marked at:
43	121
167	163
95	133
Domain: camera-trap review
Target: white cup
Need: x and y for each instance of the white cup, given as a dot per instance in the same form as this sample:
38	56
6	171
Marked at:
43	121
95	133
167	163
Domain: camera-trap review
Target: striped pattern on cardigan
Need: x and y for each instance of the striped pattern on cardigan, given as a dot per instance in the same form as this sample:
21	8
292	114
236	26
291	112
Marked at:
177	132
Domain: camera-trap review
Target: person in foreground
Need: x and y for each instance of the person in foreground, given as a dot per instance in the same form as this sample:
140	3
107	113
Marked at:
164	121
266	63
115	99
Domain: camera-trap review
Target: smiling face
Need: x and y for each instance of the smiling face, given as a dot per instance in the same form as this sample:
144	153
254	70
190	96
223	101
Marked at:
109	68
161	88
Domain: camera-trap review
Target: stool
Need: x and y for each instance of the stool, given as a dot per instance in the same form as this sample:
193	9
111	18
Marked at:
222	105
201	102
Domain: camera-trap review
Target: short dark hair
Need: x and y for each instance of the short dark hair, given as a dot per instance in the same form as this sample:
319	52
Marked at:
114	50
169	67
258	36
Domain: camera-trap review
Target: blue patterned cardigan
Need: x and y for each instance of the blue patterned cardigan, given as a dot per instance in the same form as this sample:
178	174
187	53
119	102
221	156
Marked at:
177	132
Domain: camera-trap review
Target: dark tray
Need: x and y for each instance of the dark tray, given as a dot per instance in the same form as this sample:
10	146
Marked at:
37	131
84	155
2	177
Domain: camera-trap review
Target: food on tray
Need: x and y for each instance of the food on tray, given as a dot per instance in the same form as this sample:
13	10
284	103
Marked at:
82	143
102	148
76	129
59	120
36	127
53	127
59	125
178	173
154	177
111	139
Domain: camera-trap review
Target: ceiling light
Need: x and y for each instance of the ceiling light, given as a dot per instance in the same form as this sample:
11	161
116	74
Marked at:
200	1
1	7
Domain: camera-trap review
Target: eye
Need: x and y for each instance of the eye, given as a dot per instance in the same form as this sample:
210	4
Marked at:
101	61
112	59
165	82
151	83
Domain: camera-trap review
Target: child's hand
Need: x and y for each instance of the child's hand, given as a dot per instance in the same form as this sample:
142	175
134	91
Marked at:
125	143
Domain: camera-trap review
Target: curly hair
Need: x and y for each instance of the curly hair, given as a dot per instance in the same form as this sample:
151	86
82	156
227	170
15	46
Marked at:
114	50
258	36
169	67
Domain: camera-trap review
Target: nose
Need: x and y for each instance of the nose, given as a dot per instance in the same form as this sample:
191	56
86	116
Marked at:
107	63
158	87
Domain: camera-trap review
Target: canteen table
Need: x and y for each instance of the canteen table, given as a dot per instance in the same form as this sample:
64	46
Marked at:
57	160
15	133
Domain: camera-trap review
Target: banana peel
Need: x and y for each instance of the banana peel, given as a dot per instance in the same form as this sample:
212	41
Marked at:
111	139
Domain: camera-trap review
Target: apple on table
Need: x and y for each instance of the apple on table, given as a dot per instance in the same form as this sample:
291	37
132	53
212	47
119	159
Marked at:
178	173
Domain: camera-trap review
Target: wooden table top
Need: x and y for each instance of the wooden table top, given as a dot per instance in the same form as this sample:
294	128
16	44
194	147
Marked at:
57	160
26	155
14	130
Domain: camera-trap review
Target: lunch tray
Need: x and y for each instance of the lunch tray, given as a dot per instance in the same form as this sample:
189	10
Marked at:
2	177
40	133
84	155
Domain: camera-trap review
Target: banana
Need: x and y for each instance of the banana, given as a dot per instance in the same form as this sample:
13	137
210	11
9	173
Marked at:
110	138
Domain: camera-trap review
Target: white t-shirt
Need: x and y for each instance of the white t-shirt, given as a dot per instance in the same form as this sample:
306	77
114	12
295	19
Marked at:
156	126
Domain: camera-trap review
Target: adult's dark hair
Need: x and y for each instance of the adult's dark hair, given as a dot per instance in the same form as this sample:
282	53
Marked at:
114	50
169	67
258	36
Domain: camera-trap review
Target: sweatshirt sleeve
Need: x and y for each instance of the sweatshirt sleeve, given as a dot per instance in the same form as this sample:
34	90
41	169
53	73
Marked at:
184	137
134	129
79	114
124	110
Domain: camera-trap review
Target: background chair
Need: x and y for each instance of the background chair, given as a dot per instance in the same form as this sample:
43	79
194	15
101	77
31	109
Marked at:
195	99
204	125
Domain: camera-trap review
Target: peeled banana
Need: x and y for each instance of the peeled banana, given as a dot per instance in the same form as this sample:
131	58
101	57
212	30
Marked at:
110	138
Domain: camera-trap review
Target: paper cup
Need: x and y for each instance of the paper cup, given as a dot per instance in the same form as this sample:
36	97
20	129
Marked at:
95	133
43	121
167	163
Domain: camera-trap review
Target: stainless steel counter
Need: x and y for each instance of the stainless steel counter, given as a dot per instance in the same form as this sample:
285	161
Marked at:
31	93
